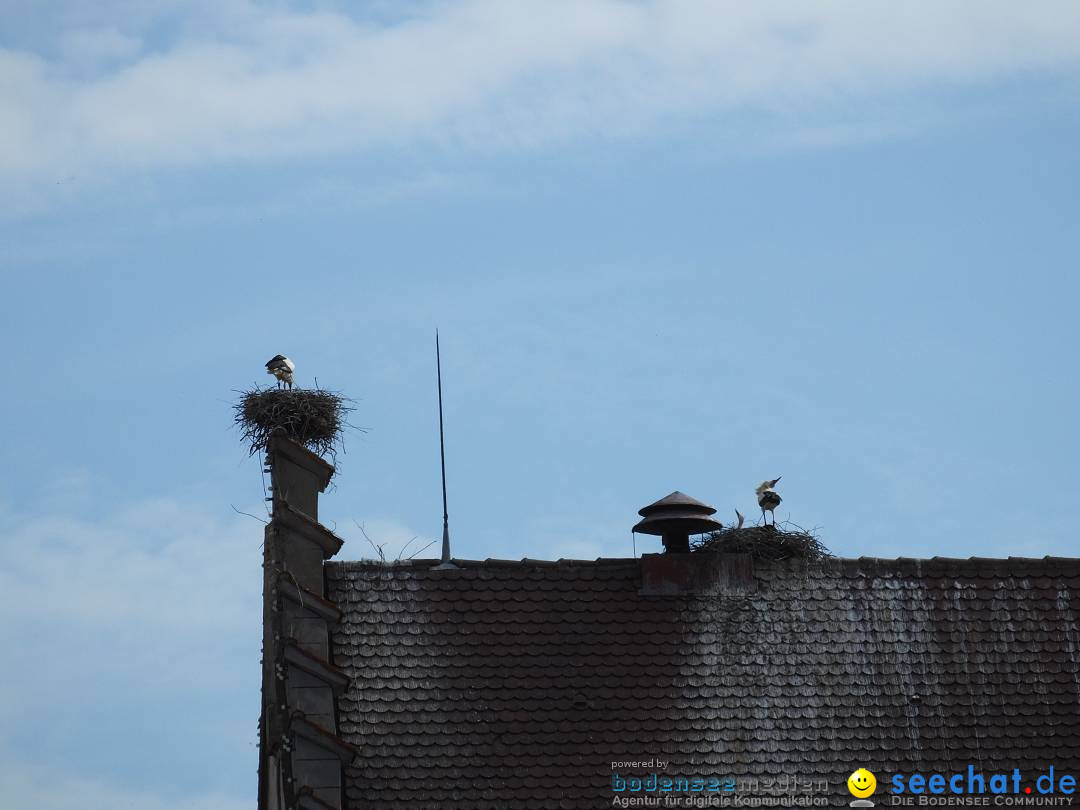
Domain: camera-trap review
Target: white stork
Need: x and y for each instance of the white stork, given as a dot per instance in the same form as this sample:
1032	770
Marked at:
767	499
741	519
281	367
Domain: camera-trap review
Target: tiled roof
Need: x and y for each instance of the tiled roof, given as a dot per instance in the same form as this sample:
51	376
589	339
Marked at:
506	685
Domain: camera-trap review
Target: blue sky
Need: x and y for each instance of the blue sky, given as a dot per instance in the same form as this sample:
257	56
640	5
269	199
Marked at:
669	245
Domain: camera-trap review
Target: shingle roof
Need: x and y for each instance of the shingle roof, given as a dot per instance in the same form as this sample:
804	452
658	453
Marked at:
517	684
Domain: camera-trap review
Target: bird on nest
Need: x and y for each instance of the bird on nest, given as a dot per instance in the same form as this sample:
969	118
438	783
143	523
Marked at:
767	499
281	367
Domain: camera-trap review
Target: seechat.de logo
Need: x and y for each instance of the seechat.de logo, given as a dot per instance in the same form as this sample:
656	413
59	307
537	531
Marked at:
974	783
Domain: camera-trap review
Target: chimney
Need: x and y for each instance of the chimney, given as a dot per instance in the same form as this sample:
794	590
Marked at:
676	572
301	756
675	518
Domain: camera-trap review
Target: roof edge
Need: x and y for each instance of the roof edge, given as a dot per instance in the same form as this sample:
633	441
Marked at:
307	599
326	672
325	739
309	528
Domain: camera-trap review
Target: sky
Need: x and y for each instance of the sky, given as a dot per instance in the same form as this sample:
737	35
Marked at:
668	245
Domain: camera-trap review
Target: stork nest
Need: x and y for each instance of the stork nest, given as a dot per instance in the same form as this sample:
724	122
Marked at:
767	543
314	418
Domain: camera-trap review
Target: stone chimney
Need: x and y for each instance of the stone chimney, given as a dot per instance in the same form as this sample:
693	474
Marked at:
301	756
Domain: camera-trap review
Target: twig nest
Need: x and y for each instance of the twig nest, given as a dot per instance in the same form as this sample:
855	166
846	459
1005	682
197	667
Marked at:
764	543
313	418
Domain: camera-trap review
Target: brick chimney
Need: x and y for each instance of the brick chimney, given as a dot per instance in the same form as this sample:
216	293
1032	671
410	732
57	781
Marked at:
301	756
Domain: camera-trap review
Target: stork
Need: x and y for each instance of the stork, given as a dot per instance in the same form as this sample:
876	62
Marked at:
741	519
767	499
281	367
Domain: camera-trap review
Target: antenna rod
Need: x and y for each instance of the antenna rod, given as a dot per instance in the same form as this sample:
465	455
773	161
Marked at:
442	459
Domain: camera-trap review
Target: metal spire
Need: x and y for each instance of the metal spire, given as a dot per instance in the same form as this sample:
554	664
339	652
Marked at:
445	564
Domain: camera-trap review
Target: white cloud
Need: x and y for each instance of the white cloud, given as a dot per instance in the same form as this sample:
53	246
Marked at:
246	82
134	632
152	566
95	48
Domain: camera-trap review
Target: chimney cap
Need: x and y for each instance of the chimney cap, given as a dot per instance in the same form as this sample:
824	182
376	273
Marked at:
677	500
676	514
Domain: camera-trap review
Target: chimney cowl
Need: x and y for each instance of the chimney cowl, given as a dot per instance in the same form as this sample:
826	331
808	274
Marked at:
674	518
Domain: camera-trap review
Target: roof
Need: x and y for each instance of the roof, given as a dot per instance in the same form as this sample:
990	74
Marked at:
517	684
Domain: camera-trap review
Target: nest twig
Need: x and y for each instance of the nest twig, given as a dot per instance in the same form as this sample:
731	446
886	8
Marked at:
767	543
311	417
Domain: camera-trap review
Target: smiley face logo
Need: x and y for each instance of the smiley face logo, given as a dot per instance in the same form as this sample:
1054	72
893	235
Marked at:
861	783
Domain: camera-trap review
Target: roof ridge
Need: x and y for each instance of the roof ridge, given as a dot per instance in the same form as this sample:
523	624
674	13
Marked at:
494	562
490	562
